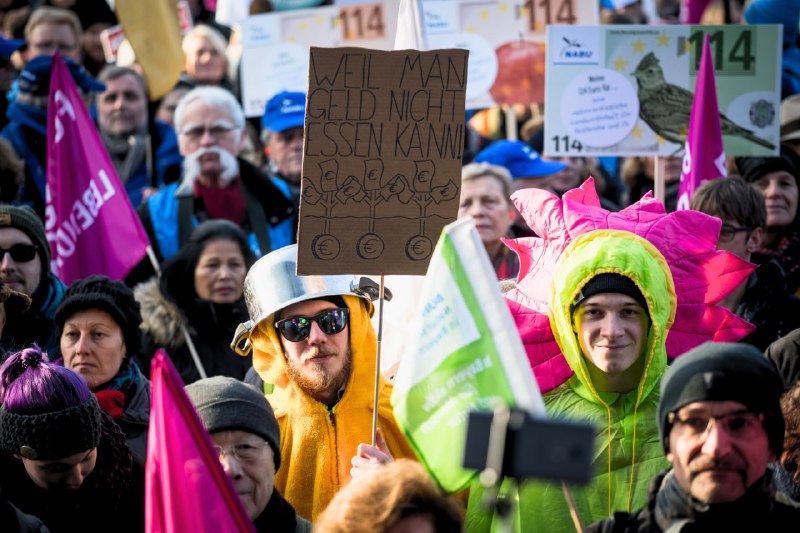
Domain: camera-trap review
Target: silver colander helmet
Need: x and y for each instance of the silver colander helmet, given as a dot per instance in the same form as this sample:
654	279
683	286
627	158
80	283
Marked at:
272	284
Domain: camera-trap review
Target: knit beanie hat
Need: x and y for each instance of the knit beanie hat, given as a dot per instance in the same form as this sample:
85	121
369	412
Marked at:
225	403
722	371
752	168
603	283
113	297
54	435
27	221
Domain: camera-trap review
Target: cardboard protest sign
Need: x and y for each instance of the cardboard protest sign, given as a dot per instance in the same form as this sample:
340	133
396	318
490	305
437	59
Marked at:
275	45
627	90
384	138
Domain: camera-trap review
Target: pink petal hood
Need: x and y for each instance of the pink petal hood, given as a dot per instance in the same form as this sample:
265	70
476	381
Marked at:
687	239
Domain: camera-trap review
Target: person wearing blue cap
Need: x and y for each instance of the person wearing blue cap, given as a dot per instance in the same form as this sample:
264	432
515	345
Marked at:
27	127
282	135
527	168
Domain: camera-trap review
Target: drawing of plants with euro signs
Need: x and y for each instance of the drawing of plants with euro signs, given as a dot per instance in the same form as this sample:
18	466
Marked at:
420	246
324	246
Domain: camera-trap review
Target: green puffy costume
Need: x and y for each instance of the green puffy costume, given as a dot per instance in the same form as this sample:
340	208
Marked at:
628	452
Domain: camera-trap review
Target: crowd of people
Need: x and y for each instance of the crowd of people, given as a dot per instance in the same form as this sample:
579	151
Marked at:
681	352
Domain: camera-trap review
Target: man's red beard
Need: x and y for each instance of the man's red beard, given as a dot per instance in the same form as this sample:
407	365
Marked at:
314	379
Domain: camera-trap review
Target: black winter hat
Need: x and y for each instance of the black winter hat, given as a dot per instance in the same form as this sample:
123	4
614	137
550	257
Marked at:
27	221
604	283
723	371
225	403
54	435
113	297
752	168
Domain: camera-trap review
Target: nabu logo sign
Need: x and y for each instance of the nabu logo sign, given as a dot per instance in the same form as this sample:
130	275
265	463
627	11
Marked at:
574	49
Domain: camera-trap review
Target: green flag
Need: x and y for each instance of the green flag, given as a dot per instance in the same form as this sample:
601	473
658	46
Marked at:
463	354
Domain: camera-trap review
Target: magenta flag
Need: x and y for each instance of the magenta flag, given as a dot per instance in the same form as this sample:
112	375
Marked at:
692	11
704	159
186	488
90	223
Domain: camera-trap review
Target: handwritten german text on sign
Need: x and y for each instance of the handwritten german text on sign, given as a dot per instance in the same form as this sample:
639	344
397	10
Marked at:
384	137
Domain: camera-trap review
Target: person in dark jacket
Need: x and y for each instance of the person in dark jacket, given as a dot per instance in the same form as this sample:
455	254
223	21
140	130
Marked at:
26	130
762	299
200	289
784	354
144	153
721	425
98	321
25	268
776	179
247	437
63	459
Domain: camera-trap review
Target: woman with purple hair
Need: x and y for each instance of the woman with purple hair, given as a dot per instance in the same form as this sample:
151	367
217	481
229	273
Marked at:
64	460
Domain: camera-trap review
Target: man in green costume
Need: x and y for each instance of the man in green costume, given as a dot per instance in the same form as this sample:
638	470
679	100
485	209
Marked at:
612	303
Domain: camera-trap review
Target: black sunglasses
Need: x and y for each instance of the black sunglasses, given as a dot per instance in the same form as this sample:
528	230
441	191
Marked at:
297	328
20	253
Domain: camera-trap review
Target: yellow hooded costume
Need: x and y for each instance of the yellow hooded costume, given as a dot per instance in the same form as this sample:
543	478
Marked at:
318	442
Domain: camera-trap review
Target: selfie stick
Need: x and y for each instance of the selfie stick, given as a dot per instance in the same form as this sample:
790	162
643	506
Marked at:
491	476
189	343
377	365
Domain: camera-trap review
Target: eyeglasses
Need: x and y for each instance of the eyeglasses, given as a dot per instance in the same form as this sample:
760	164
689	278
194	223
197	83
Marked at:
245	452
728	232
297	328
20	253
289	135
739	424
217	131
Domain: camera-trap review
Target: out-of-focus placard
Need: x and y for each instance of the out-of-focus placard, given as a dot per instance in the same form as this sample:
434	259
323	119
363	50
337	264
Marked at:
627	90
506	42
111	38
275	45
539	14
384	137
185	17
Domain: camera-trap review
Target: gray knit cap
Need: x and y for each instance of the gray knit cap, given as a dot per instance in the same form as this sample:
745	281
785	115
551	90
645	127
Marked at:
225	403
723	371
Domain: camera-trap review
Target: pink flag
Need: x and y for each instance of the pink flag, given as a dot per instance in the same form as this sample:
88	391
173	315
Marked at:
90	223
705	158
185	486
692	11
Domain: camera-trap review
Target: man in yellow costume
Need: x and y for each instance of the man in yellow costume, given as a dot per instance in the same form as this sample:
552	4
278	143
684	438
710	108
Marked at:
313	341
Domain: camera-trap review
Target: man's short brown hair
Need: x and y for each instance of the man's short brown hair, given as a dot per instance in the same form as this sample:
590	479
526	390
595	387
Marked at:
731	198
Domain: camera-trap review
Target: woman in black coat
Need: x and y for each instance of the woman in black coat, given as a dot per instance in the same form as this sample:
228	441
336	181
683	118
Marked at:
201	290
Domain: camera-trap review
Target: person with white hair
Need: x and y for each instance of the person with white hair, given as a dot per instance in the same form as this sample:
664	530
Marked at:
215	184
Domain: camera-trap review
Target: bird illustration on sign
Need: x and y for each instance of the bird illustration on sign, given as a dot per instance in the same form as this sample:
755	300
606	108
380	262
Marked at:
666	108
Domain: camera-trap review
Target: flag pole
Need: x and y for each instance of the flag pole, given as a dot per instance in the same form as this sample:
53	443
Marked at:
189	342
573	509
378	365
512	133
658	178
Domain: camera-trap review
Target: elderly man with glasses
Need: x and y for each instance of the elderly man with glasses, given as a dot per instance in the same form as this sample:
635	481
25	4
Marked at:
762	299
247	437
720	424
215	183
314	345
25	268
